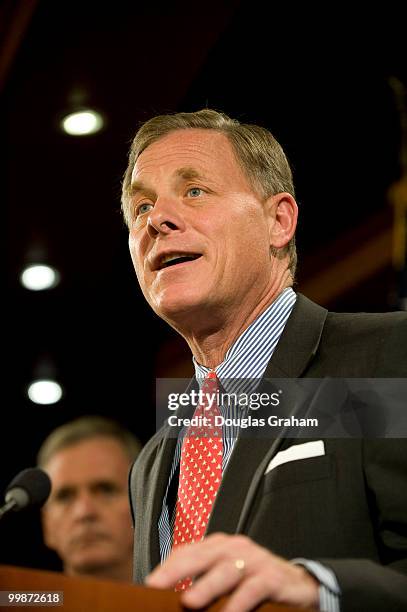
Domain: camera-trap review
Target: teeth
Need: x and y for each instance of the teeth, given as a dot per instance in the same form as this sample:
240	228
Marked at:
167	259
171	257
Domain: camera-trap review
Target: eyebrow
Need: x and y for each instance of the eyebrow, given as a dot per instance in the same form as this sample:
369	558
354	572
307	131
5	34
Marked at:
185	173
93	484
188	173
139	187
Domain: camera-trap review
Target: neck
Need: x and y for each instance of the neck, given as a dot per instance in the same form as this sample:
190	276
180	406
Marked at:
209	342
121	572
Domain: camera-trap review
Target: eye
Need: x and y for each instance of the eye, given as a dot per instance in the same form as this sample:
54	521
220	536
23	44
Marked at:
107	488
64	495
143	208
195	192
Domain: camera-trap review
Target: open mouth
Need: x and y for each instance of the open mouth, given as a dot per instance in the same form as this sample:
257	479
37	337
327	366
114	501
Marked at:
176	258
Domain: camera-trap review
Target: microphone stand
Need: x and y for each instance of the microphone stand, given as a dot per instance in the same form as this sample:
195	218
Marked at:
5	509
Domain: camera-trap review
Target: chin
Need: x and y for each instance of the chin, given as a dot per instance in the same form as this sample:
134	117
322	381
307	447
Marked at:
91	564
175	303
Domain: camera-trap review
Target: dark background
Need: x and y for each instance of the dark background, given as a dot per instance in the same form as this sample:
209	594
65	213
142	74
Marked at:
317	77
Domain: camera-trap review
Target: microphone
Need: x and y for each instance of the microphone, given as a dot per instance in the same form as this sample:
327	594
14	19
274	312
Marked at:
31	487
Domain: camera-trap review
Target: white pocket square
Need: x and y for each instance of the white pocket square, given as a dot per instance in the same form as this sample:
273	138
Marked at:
298	451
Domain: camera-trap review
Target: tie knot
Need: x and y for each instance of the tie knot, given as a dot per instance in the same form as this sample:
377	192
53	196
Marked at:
211	375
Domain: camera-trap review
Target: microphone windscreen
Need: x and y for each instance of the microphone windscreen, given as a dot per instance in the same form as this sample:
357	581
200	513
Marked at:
31	487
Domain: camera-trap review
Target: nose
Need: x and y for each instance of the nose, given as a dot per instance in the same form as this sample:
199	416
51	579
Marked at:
165	218
85	507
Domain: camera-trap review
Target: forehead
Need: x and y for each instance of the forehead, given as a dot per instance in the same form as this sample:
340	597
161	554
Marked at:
207	151
90	459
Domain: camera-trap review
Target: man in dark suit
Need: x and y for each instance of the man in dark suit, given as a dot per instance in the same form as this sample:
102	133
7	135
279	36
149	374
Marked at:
320	523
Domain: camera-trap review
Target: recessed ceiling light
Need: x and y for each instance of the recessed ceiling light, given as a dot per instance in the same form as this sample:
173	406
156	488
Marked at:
39	277
82	123
45	392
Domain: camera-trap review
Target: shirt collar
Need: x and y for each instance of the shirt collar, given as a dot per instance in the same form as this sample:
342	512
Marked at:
250	353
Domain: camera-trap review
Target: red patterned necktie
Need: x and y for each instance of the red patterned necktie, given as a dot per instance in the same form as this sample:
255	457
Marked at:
200	472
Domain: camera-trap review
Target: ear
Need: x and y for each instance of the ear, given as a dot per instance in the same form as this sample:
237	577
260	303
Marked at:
282	213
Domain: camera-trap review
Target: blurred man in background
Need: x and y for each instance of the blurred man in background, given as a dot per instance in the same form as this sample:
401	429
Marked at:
87	520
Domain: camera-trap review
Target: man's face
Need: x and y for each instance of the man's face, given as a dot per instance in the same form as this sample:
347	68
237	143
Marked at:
87	518
191	199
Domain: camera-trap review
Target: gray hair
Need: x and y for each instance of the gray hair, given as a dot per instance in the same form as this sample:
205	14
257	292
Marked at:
259	154
85	428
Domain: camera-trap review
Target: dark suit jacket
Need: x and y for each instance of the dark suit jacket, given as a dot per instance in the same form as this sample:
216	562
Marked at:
347	508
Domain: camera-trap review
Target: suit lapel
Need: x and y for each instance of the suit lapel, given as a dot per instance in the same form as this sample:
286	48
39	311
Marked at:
159	481
252	453
160	475
299	341
242	465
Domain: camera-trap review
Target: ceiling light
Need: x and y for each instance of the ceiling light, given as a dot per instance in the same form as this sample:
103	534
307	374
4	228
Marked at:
38	277
82	123
45	392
